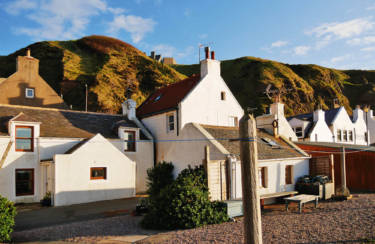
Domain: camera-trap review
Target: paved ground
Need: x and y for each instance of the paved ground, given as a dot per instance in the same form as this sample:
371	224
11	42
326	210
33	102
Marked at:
350	221
32	216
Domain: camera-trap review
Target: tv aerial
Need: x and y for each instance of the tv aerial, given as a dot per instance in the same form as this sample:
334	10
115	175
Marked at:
275	94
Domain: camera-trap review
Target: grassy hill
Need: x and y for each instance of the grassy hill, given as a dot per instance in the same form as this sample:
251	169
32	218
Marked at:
109	66
309	85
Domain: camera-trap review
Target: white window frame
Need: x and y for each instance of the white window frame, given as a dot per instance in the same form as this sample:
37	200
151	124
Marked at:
27	90
134	132
302	132
261	176
169	123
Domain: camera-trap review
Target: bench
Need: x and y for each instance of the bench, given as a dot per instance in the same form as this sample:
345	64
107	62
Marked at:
275	195
301	199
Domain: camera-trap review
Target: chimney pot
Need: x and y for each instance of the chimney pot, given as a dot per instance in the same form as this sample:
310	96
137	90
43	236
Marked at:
213	55
207	51
28	52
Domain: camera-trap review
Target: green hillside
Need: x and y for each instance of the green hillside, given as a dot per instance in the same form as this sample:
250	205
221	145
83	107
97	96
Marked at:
109	66
309	85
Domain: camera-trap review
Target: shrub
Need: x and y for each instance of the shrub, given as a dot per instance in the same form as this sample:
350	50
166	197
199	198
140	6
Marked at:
7	214
159	177
185	204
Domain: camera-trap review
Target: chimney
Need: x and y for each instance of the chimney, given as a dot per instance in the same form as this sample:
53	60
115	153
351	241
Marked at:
207	51
357	113
319	114
336	103
210	66
277	109
213	55
152	54
28	52
128	109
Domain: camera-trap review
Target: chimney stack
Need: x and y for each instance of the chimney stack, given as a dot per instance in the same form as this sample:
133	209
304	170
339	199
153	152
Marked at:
28	52
207	51
336	103
213	55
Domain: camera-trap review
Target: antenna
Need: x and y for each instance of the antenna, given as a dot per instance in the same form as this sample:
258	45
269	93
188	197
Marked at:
200	45
275	94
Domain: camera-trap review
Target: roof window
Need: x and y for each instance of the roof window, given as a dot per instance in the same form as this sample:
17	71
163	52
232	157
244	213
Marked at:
271	143
157	98
29	93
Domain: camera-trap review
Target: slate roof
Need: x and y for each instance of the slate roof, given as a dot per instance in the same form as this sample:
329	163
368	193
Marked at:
329	116
64	123
167	98
265	151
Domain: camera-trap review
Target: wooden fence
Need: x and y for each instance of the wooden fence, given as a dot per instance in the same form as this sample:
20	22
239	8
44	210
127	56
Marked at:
360	166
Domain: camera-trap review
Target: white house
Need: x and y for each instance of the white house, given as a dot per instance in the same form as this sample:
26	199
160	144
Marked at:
201	112
333	125
39	147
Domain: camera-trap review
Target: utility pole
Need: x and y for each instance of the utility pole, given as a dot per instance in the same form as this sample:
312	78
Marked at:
86	96
249	175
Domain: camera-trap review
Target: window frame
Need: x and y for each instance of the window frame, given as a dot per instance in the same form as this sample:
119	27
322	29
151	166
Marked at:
350	135
29	89
134	149
223	95
24	138
345	135
291	175
99	177
169	123
32	180
263	171
301	132
339	135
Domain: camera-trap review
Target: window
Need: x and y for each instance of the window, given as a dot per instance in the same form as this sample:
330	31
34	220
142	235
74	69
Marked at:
222	96
271	143
24	139
288	174
233	121
338	135
29	92
170	122
298	131
350	135
366	138
262	172
345	135
157	98
129	141
98	173
24	182
316	137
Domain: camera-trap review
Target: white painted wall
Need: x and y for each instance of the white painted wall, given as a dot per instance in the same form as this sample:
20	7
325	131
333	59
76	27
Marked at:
294	123
342	122
143	156
72	174
203	105
275	175
360	126
371	125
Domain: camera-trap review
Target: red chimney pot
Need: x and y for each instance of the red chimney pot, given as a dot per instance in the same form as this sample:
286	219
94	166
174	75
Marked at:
207	51
212	54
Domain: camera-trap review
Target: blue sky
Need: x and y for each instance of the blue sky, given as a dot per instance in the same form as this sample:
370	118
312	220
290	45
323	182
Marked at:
334	33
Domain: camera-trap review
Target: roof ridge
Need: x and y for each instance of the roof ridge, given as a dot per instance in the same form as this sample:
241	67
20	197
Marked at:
57	109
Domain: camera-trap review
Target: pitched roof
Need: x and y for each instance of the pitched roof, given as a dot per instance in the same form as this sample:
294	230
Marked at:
265	151
167	98
305	117
21	117
64	123
331	114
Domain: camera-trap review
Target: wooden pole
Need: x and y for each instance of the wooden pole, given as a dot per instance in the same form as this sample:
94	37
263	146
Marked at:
343	170
332	164
249	175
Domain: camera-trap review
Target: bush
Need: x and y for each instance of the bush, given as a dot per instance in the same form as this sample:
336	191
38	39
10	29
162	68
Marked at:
184	204
159	177
7	214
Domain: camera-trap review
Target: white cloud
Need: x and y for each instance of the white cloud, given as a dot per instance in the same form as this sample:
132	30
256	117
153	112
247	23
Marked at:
203	36
116	11
372	7
339	58
279	44
16	7
137	26
61	19
301	50
362	41
368	49
341	30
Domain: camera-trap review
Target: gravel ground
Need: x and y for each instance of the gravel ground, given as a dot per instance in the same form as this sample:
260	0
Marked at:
351	221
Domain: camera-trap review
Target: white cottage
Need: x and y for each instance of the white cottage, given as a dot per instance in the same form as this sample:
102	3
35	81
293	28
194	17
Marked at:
200	112
333	125
77	156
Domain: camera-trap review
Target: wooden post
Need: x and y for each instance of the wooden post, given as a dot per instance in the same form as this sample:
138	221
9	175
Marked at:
249	175
332	163
343	170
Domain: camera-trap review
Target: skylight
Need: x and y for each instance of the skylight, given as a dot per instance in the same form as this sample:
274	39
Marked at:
157	98
270	142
